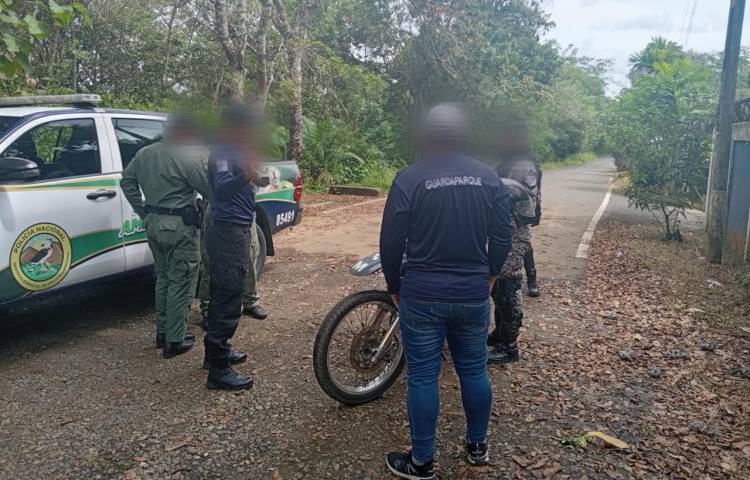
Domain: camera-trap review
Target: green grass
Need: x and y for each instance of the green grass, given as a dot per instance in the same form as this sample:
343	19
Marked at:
571	161
379	176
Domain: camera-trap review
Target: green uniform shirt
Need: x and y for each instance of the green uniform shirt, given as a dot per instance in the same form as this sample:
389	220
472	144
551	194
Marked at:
168	175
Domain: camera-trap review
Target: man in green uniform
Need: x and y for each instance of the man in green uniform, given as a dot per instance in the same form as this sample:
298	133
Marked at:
169	173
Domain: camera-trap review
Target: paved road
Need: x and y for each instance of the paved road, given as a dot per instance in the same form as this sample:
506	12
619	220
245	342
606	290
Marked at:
570	198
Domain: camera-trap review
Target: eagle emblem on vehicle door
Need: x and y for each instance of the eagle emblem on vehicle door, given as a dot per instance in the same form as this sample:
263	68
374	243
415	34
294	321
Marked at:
40	257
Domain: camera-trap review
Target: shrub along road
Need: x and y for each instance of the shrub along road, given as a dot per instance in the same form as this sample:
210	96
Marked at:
636	346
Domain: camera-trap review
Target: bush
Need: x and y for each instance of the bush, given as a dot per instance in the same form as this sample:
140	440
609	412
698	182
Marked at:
661	130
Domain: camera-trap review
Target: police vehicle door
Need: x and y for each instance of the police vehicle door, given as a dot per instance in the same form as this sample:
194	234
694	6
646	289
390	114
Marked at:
128	134
62	228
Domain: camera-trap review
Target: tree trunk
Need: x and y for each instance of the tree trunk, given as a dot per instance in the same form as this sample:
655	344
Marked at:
265	63
232	35
236	86
296	137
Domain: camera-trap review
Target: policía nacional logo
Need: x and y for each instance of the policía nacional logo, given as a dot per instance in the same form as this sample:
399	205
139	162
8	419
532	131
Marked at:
40	256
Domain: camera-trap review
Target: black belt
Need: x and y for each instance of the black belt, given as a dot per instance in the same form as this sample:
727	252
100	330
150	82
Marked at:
189	214
165	211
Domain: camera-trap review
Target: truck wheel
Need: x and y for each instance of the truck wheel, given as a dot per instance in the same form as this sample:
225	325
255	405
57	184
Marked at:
260	260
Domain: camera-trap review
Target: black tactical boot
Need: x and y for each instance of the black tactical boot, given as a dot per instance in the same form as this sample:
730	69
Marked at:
235	358
493	338
533	286
402	465
161	340
503	353
204	320
256	311
172	349
227	379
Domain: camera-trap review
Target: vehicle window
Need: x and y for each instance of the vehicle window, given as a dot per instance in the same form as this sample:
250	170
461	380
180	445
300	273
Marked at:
134	134
6	123
65	148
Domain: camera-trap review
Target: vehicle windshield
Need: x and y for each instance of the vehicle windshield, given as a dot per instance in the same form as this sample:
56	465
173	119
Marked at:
6	123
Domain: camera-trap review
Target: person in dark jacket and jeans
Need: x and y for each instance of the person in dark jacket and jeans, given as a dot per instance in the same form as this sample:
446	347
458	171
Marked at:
448	213
232	168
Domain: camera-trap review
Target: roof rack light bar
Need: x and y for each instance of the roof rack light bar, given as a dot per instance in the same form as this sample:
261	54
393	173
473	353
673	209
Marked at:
77	99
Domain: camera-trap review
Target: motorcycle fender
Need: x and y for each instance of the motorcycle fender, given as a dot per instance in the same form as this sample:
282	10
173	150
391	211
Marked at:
367	266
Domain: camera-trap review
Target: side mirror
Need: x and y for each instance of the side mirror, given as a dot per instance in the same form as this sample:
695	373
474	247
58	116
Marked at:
18	170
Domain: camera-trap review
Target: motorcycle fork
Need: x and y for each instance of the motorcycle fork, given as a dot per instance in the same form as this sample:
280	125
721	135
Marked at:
386	340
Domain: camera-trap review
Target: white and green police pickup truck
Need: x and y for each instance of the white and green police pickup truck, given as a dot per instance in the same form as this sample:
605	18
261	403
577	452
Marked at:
63	220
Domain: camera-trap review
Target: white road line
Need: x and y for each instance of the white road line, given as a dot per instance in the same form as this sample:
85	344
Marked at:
583	247
381	199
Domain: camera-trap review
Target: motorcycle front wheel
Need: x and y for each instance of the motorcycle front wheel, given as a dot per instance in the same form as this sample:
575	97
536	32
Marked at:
347	358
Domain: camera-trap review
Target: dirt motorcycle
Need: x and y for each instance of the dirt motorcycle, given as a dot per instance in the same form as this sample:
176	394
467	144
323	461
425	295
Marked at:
358	353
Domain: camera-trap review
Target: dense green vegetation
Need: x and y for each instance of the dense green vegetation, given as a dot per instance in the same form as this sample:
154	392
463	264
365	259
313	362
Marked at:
660	129
341	79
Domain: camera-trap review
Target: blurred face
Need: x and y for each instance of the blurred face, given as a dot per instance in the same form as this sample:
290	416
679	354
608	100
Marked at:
240	135
180	135
513	140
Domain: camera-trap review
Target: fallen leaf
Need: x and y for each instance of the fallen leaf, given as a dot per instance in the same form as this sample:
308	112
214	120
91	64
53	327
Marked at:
139	459
548	472
664	441
609	440
184	443
539	464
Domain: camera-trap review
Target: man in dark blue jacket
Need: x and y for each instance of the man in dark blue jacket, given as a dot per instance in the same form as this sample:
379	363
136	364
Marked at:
447	212
232	168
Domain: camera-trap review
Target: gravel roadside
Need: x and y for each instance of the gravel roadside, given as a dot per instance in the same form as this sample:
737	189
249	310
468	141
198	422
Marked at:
86	396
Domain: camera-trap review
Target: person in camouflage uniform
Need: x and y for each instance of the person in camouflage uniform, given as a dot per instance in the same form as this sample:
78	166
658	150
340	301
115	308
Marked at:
519	166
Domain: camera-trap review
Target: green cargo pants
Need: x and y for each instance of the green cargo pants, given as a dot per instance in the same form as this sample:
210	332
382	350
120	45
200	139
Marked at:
176	250
250	297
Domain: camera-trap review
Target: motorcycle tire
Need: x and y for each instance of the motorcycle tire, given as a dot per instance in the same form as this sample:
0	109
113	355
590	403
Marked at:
322	342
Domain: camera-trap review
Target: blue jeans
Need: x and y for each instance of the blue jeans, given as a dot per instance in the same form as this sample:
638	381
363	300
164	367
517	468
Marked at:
424	329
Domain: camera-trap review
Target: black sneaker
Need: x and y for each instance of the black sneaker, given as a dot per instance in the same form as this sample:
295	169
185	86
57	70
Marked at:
401	465
479	453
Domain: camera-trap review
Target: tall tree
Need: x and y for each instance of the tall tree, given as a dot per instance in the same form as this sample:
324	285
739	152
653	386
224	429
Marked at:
230	24
659	50
295	30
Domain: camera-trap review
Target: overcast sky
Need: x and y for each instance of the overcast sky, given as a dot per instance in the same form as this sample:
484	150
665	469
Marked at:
616	28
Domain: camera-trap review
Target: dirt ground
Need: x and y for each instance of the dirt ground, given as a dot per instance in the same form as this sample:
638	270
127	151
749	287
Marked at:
651	348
